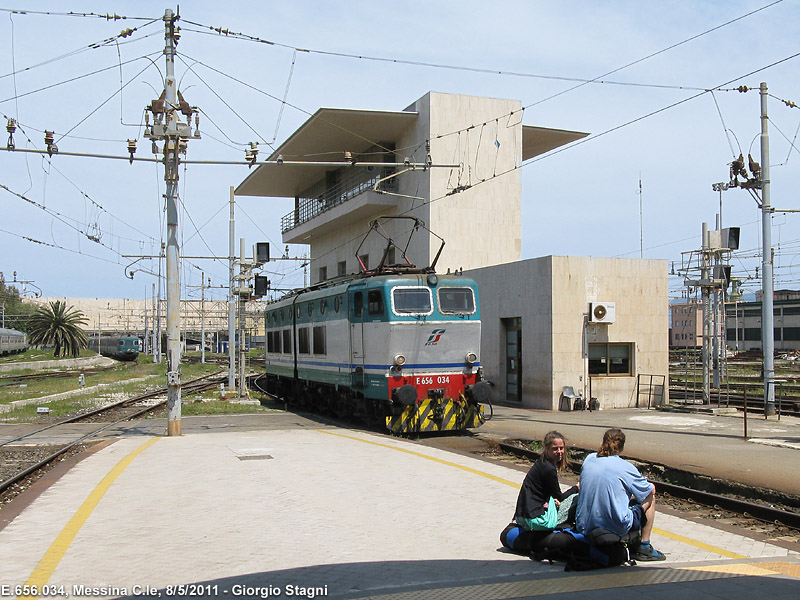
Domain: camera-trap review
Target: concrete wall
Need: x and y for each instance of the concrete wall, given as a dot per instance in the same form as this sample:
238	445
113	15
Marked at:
552	295
481	225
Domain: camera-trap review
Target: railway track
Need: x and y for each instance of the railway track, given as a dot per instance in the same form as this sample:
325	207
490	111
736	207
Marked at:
764	516
21	460
755	404
8	380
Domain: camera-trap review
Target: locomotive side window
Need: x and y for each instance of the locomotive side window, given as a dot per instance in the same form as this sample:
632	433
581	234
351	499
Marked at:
375	303
412	301
287	341
319	340
303	345
460	300
274	341
358	303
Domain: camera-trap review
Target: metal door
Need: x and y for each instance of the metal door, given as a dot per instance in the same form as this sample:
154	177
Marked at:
513	331
356	318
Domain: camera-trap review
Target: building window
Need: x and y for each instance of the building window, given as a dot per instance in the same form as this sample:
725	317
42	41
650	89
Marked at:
341	268
611	359
365	261
323	273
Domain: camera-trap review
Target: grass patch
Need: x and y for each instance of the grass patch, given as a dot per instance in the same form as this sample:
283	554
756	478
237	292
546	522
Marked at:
129	379
221	407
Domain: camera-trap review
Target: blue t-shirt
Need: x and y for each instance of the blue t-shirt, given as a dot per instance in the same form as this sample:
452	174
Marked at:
607	484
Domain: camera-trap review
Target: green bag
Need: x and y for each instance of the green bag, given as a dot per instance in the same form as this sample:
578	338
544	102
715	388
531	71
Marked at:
544	522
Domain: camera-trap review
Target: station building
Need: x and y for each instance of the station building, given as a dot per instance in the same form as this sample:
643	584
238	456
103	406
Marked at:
599	325
743	322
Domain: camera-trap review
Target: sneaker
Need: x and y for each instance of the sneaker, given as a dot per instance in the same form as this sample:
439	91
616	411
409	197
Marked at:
646	553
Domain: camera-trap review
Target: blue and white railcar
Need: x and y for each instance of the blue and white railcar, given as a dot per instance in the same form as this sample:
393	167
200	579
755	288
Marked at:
12	341
400	348
118	347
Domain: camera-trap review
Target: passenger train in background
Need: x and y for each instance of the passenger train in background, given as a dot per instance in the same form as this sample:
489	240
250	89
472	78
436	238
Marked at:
12	341
118	347
398	345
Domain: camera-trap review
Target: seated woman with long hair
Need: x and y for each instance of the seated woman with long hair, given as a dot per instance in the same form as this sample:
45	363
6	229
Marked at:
541	505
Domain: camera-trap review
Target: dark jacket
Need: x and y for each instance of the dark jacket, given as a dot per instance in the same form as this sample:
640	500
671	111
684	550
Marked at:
541	483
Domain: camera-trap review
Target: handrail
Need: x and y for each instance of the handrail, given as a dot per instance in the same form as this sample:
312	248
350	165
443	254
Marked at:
321	198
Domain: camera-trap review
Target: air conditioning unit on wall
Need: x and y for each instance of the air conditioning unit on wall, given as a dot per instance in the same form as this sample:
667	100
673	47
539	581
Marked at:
602	312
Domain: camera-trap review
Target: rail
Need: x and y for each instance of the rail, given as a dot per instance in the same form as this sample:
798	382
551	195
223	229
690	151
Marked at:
762	512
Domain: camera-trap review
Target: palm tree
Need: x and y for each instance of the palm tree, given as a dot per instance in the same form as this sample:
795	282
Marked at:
58	326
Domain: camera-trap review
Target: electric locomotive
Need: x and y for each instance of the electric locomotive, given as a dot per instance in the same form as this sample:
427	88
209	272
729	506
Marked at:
398	348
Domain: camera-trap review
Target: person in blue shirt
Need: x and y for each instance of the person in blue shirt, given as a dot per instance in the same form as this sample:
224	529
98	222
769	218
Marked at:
615	496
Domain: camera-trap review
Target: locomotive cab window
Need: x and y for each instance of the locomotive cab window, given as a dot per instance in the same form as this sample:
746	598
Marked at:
374	303
358	304
456	300
412	301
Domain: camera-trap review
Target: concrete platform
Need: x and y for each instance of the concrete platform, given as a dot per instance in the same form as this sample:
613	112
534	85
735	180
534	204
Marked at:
291	507
706	444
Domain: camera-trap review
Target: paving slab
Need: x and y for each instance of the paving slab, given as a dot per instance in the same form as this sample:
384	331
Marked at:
300	508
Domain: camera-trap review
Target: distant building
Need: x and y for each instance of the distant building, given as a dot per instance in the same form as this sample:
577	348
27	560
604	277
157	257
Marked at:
687	325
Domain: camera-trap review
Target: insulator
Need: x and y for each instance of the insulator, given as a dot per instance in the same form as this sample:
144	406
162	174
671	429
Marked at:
251	153
11	127
131	149
49	142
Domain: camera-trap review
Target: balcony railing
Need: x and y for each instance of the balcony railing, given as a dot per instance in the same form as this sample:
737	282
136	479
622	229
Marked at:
321	198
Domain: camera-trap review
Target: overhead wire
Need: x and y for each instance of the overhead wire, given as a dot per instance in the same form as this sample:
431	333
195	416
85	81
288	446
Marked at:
76	78
211	30
221	99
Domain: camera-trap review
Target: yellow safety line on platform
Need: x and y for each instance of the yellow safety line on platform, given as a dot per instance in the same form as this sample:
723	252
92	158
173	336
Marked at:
661	532
47	565
438	460
747	569
696	544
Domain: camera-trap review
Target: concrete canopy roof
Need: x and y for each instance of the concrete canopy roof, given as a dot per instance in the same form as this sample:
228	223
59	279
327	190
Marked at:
329	132
325	136
538	140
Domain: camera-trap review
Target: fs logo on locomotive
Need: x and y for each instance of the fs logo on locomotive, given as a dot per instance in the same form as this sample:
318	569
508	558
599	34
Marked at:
435	336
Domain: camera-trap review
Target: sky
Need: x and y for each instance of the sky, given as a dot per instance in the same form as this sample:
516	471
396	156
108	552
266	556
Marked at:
653	83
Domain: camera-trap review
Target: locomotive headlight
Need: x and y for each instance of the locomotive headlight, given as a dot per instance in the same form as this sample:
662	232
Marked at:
471	358
399	360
